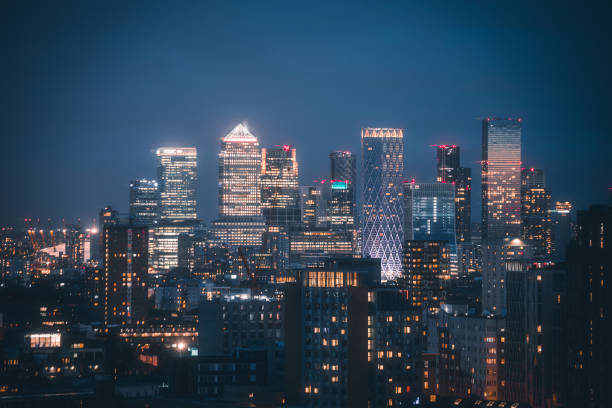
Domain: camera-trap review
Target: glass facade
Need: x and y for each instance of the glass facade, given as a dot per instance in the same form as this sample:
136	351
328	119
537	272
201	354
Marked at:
177	178
143	202
382	218
450	171
430	212
239	174
501	178
280	196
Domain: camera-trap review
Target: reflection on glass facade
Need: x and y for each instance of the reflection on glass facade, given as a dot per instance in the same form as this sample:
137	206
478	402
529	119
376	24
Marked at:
177	177
430	212
143	202
239	174
501	178
450	171
280	196
382	152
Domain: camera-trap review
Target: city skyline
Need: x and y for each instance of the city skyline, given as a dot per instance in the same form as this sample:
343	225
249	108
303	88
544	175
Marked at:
289	99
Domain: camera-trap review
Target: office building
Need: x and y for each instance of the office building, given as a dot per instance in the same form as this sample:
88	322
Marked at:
382	217
312	247
501	178
239	174
536	223
177	179
342	204
450	171
313	205
239	231
143	203
280	196
429	212
125	270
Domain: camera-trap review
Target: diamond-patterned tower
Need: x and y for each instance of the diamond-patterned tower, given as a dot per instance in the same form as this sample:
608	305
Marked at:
382	161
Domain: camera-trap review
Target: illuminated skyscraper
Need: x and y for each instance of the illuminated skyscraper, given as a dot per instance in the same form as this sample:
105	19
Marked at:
177	178
561	219
536	224
430	213
313	205
239	174
240	222
382	152
342	202
501	178
143	202
450	171
280	196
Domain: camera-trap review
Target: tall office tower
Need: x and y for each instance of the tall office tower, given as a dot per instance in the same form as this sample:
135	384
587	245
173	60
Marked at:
280	196
343	170
177	178
143	203
589	324
429	211
536	228
239	174
536	356
450	171
125	272
326	344
382	151
240	222
311	248
340	206
448	158
313	205
499	257
426	268
561	220
501	178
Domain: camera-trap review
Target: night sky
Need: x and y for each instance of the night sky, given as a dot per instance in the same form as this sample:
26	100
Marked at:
91	88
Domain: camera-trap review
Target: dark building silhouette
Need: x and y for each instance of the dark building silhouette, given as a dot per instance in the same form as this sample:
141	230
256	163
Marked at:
125	271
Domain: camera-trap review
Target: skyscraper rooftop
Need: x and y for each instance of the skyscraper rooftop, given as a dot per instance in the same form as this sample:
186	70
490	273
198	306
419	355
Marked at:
240	134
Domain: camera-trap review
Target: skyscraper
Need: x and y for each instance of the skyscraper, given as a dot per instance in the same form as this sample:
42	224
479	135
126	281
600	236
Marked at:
536	225
342	203
125	270
177	178
382	152
240	222
426	267
561	220
239	174
501	178
430	212
280	196
143	202
450	171
313	205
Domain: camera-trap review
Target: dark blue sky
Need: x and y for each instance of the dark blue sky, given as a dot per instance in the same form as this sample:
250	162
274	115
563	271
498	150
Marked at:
90	89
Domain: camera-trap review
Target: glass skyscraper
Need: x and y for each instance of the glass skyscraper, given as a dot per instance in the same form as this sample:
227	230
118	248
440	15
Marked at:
430	213
501	178
143	202
177	178
342	203
280	195
240	222
450	171
239	174
382	163
536	223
